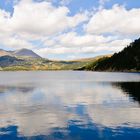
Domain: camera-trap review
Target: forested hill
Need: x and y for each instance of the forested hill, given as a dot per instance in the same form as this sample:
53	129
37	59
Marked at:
126	60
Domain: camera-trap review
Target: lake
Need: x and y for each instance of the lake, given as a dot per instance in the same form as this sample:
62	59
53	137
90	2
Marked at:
69	105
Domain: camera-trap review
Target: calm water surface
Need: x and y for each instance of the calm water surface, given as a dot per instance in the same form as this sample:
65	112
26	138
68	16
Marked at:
69	105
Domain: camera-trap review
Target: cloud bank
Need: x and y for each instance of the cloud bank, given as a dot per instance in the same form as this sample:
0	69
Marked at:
59	32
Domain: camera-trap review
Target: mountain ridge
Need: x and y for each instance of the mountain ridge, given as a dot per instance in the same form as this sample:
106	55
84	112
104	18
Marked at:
23	53
4	53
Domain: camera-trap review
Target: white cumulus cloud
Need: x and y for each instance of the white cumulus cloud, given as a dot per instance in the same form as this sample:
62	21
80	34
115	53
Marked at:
36	20
117	20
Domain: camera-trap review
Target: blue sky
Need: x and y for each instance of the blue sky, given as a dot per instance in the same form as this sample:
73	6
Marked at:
76	5
69	29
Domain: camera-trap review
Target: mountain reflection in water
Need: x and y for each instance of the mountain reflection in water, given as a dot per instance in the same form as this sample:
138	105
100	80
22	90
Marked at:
131	88
78	109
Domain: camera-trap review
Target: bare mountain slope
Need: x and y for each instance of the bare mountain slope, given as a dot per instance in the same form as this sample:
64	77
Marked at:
4	53
25	53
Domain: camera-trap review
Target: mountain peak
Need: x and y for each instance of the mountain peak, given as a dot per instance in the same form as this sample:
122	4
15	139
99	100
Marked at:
26	53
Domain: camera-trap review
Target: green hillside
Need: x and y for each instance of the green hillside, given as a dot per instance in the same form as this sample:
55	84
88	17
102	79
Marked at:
126	60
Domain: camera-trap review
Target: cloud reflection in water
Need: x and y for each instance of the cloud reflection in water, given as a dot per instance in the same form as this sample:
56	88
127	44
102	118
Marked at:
66	106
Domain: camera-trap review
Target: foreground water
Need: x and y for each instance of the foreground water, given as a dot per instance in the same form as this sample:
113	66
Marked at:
69	105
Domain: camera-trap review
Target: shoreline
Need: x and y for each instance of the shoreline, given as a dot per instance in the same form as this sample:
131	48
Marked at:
112	71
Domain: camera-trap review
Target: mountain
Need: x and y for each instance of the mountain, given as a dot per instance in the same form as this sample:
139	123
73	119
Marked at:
25	53
3	52
22	53
126	60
